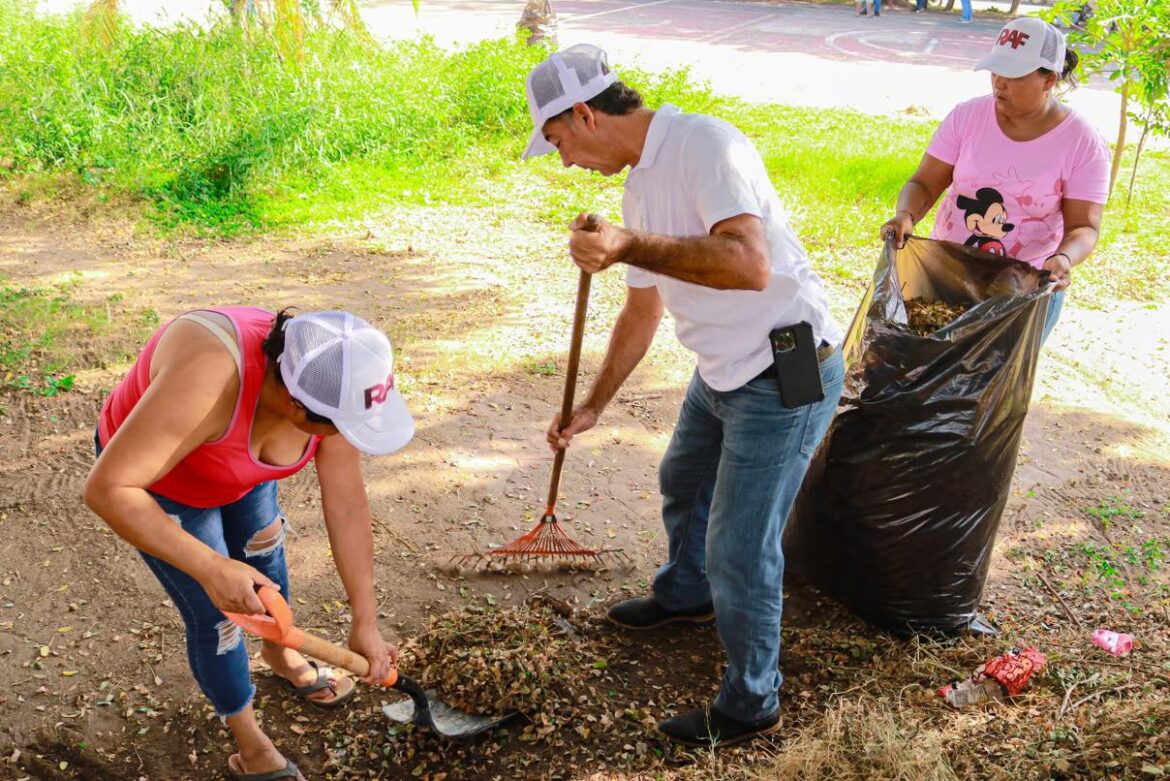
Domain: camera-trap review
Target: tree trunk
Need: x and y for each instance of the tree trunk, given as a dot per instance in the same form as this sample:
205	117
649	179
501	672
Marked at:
1015	9
1119	150
1138	155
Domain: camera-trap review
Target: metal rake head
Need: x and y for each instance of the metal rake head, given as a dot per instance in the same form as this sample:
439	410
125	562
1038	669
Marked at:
544	542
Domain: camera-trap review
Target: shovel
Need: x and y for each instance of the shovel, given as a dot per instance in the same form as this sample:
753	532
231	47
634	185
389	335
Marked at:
422	709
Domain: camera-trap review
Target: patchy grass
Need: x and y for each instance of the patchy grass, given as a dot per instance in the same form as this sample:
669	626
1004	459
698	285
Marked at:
46	336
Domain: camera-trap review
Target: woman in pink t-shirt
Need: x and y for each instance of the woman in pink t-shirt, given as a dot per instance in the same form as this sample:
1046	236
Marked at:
1020	173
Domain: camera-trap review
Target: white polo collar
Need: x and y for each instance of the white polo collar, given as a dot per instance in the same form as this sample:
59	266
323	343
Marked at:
656	134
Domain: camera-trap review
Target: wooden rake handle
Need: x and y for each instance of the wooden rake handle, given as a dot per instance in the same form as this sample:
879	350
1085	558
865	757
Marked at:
592	224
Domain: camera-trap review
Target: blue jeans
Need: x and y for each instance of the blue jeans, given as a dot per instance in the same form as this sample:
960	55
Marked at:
1055	304
729	479
215	645
966	15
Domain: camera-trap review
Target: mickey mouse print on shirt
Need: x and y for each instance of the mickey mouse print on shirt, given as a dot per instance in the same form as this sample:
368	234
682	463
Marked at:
1007	197
986	217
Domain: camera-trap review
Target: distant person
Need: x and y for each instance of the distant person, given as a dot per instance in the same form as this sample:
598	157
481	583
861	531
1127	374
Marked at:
864	4
1021	173
965	16
220	405
920	6
706	238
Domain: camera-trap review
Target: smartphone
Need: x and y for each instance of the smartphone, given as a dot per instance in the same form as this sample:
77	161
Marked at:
798	372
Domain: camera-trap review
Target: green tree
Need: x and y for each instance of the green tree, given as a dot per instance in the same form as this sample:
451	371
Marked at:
1129	41
285	20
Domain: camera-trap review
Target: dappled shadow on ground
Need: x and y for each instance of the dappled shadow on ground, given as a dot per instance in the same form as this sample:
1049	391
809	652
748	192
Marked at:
95	654
474	478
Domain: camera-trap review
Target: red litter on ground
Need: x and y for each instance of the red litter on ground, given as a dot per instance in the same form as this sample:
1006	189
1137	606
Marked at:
1004	676
1116	643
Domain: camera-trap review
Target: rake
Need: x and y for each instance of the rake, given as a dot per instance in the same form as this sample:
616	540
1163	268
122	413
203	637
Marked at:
547	540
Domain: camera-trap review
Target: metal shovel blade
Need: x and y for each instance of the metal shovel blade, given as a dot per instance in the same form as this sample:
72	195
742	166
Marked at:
424	709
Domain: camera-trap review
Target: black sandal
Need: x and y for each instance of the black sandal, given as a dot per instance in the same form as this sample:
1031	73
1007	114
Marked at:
288	771
324	673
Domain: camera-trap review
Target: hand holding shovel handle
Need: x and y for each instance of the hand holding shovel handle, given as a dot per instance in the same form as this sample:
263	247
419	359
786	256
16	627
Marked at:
421	709
277	627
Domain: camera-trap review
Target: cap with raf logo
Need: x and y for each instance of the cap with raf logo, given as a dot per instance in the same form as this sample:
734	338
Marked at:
341	367
1023	46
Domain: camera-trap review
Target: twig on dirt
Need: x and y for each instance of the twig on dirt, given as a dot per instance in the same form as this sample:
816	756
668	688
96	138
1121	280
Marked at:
1096	694
410	546
1067	696
1133	665
859	687
1067	610
639	397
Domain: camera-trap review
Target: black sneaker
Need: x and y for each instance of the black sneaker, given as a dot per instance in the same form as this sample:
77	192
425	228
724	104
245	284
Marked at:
707	727
646	613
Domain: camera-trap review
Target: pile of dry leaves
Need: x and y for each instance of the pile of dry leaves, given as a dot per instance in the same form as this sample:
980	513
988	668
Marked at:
926	317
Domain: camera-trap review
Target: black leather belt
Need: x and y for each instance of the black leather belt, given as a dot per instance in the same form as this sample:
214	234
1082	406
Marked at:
823	352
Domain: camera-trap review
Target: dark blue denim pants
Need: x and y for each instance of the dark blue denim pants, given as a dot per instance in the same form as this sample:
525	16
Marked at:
729	479
215	646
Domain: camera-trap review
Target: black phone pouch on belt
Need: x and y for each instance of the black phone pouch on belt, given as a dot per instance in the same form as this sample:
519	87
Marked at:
797	367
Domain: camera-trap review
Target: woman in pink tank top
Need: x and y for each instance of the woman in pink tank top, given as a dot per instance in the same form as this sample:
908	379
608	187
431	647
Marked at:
220	405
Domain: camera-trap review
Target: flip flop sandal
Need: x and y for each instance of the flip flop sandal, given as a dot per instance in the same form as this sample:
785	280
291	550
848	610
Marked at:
324	673
288	771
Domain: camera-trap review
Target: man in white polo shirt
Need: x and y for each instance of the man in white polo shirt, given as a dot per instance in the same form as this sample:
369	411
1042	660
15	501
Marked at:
706	238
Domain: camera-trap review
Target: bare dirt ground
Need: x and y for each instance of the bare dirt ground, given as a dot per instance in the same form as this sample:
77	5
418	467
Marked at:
93	678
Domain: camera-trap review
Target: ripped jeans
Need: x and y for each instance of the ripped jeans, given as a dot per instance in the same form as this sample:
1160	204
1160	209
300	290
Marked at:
215	646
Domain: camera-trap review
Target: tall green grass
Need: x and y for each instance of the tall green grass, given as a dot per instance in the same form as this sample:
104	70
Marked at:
219	135
212	126
204	122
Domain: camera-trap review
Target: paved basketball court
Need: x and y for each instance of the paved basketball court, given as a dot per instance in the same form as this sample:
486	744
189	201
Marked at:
792	52
785	52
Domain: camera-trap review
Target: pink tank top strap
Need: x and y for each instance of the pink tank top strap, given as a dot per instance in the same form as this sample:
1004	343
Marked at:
223	471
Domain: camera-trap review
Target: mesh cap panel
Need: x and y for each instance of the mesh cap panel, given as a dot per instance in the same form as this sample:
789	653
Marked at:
322	376
587	64
546	84
1050	50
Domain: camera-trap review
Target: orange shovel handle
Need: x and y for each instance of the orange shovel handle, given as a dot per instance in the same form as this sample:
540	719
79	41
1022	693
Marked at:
277	627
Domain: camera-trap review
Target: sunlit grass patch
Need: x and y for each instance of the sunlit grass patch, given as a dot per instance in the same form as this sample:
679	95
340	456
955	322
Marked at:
46	335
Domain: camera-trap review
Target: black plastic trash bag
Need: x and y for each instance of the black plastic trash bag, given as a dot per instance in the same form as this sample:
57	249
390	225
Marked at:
898	513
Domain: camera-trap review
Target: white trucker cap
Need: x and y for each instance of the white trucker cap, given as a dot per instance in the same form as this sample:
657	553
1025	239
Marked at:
1023	45
566	78
341	367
